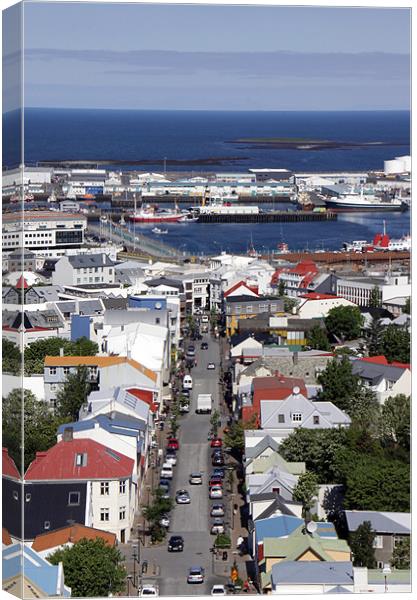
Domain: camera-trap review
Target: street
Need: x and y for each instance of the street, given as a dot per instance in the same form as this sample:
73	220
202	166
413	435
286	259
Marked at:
192	521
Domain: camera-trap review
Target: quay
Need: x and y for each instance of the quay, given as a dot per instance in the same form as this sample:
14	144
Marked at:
343	257
299	216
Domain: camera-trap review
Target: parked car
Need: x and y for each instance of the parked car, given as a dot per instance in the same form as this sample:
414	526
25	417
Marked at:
172	444
175	543
219	472
217	510
204	346
171	457
148	590
185	392
215	481
195	575
216	492
164	521
165	487
184	408
182	497
204	319
217	526
216	443
167	472
218	590
211	366
187	382
217	460
196	479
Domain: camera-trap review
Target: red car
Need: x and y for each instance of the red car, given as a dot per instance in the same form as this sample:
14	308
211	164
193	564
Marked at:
216	443
173	444
215	481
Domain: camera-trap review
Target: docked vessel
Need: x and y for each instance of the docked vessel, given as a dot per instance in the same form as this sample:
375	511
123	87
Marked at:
352	201
381	241
151	214
159	231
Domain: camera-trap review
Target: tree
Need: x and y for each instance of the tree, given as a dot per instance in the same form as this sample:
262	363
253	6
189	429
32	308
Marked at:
214	421
375	297
154	512
395	421
235	434
361	543
40	426
306	490
407	307
92	568
289	304
281	288
395	344
318	448
364	409
73	394
317	338
11	357
344	322
36	352
338	382
401	558
375	334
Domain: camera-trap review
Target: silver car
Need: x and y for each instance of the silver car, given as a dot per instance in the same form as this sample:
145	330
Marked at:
182	497
217	510
217	526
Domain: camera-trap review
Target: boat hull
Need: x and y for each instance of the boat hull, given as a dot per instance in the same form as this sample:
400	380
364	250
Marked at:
348	207
155	218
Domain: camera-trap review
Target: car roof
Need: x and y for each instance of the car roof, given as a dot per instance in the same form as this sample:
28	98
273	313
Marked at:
196	569
196	474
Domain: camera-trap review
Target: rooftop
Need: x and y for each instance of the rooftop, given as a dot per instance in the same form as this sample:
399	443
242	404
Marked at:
71	534
99	361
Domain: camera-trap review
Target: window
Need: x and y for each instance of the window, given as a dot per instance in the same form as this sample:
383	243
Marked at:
80	459
399	539
297	417
52	370
281	418
122	513
74	499
378	542
316	420
104	514
47	525
66	370
28	497
104	488
122	487
15	495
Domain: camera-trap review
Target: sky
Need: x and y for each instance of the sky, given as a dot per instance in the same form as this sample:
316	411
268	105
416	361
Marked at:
215	57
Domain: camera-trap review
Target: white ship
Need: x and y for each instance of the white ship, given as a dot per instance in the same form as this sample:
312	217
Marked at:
352	201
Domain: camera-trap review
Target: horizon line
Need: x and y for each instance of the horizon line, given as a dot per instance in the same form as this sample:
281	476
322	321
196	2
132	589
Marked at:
208	109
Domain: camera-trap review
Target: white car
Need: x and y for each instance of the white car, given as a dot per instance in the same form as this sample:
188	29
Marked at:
218	590
216	492
149	590
187	382
171	459
167	471
196	479
204	319
211	366
164	521
195	575
184	408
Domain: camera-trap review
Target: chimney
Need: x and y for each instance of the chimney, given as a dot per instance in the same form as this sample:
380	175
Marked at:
68	434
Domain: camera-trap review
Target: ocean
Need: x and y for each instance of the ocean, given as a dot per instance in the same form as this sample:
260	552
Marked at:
130	135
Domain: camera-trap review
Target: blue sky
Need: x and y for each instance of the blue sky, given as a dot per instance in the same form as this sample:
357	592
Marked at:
216	57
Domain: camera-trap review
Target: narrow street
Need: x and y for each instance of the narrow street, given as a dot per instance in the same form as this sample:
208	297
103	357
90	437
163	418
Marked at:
191	521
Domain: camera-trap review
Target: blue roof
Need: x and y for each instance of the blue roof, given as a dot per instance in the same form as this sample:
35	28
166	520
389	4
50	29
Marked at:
279	526
284	525
18	557
313	573
120	426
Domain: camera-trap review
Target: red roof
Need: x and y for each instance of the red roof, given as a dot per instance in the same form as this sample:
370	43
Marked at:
317	296
9	468
271	388
22	283
5	537
238	285
144	395
59	462
382	360
70	534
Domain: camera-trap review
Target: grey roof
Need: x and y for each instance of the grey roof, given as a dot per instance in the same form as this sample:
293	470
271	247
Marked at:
164	281
382	522
262	496
79	261
19	254
254	451
66	306
50	293
375	373
115	303
278	504
314	572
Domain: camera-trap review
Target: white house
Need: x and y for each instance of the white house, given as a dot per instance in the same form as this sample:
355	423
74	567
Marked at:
84	269
383	378
315	305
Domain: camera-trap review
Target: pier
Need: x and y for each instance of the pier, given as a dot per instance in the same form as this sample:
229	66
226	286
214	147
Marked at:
299	216
343	257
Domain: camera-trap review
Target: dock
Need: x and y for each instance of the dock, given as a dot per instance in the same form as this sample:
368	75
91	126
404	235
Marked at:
279	216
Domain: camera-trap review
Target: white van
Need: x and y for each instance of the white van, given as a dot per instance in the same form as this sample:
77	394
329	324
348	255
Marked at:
187	382
167	471
204	319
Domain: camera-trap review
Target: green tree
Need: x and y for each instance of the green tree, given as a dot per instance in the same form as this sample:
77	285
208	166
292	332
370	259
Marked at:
92	568
281	288
40	426
364	409
83	347
73	394
317	338
375	297
154	512
214	421
289	304
338	383
361	543
344	322
234	436
401	556
318	448
11	358
36	352
395	344
395	421
306	490
375	334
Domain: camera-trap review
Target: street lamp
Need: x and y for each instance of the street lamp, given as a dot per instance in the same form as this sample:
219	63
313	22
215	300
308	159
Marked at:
386	571
129	581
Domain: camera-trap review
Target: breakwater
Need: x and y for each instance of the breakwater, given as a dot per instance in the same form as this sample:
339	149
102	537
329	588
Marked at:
300	216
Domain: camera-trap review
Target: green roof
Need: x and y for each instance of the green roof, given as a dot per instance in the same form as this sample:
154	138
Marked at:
298	543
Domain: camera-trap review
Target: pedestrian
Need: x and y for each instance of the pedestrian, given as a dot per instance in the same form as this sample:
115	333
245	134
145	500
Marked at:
195	363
